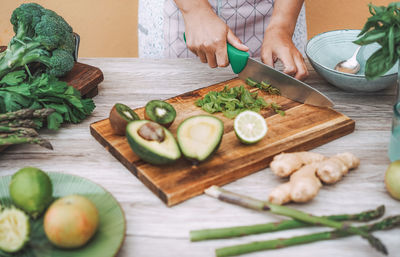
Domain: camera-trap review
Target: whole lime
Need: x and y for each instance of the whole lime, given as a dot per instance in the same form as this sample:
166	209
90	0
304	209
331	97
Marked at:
392	179
31	190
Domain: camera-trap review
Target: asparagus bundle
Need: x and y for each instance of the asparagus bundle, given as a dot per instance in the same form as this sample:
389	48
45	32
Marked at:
219	233
385	224
19	127
255	204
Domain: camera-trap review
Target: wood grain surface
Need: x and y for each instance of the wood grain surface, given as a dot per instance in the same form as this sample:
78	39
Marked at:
304	127
155	230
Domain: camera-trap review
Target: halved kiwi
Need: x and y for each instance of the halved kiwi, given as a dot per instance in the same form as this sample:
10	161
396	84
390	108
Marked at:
120	116
161	112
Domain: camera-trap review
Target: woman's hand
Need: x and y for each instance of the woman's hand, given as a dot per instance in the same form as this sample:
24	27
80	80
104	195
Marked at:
278	44
207	35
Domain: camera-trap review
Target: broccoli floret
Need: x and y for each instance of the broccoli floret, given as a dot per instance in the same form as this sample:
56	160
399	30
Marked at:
41	36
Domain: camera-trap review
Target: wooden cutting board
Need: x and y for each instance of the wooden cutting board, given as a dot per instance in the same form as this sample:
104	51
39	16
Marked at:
302	128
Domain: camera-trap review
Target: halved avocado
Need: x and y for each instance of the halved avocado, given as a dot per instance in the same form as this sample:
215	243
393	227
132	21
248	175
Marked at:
152	142
161	112
200	136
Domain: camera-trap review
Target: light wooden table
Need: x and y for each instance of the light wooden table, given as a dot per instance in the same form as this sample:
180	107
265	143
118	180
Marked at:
156	230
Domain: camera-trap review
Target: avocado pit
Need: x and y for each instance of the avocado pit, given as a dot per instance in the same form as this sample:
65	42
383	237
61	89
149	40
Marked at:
151	131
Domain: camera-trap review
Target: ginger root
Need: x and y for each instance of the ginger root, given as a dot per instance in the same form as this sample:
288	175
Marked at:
333	169
308	170
285	164
302	186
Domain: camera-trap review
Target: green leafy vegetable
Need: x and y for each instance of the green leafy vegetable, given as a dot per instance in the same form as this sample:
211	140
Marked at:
41	37
232	101
263	86
46	91
383	27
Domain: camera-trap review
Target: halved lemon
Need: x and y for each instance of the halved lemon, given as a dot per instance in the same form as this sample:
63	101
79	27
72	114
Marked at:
250	127
14	230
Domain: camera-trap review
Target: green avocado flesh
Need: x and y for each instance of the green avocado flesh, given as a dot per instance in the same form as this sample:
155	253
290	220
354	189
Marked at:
152	151
160	112
200	136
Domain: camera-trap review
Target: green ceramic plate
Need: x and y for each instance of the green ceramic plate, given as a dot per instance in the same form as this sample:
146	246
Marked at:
107	240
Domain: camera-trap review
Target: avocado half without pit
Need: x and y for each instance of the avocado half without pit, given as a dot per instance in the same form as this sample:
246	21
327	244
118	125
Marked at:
199	137
120	116
161	112
152	142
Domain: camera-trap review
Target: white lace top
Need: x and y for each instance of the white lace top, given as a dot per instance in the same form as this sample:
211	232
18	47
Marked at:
161	26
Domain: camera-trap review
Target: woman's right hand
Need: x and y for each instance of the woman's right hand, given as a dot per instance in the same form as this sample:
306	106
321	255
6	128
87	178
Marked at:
207	35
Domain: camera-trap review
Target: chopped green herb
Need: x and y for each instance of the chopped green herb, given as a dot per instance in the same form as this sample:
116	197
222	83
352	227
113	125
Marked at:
263	86
232	101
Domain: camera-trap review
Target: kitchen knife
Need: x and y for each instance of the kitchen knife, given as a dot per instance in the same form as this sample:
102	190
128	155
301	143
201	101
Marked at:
288	86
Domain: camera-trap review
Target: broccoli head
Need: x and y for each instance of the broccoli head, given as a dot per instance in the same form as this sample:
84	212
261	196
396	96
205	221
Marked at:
41	36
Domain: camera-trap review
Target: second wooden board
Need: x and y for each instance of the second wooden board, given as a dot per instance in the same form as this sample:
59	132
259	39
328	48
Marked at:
302	128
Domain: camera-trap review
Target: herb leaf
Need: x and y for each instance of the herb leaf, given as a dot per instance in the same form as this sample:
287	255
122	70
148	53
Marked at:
232	101
383	27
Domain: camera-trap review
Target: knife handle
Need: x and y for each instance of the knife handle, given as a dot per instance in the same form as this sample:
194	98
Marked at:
237	58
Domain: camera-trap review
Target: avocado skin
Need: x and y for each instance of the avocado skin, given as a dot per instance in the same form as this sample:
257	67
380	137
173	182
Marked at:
146	154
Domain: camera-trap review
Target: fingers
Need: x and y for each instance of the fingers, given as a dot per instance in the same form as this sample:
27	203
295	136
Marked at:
267	58
302	72
292	61
235	41
214	53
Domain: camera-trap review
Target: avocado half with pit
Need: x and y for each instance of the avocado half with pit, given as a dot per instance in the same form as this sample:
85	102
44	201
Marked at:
200	136
152	142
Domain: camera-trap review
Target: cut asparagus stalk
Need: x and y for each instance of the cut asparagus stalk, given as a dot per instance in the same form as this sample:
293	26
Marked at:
26	123
15	139
255	204
385	224
218	233
26	113
30	132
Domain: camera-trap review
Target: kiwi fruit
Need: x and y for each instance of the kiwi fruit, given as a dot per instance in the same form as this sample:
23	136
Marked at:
120	116
161	112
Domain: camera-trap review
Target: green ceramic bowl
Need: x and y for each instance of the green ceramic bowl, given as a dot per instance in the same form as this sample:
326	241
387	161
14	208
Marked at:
111	231
327	49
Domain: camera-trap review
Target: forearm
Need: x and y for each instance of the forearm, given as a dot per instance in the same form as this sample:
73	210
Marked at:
189	6
285	14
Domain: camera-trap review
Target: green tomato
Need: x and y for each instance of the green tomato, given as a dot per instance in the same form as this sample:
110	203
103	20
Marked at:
392	179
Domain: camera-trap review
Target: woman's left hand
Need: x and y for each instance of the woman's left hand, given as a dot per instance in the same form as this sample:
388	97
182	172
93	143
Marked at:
278	44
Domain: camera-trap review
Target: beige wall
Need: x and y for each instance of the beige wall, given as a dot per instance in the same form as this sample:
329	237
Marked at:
324	15
108	28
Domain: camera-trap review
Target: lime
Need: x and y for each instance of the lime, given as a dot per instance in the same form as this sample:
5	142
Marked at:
14	230
31	190
250	127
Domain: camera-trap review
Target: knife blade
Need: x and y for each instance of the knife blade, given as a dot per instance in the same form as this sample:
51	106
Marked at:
294	89
288	86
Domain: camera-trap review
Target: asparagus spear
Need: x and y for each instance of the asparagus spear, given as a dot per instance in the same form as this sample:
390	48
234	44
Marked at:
218	233
20	131
385	224
26	123
255	204
26	113
15	139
